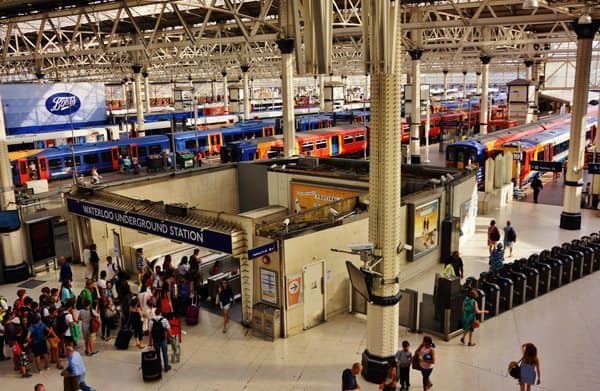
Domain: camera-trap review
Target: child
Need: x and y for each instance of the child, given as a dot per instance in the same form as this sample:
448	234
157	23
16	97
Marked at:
405	363
21	360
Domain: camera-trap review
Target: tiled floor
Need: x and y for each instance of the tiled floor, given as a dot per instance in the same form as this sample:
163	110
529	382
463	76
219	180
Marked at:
563	324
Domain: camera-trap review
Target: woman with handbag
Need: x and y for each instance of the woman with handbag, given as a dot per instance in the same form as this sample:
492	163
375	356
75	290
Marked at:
426	360
470	316
530	364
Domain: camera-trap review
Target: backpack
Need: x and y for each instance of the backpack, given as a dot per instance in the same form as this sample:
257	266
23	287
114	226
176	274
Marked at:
79	303
158	330
61	323
494	235
511	235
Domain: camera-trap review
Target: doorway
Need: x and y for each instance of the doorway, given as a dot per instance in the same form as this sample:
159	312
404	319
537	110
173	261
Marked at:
314	294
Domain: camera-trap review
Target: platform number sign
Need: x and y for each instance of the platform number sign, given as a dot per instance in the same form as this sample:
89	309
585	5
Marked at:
594	168
517	156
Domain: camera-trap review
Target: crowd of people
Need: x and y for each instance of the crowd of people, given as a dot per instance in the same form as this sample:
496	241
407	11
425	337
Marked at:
49	330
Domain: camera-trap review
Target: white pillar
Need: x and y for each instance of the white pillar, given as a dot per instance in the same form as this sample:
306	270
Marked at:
246	91
528	69
287	96
213	90
415	110
570	218
225	92
485	85
384	26
146	91
478	83
427	128
138	100
445	93
321	92
13	242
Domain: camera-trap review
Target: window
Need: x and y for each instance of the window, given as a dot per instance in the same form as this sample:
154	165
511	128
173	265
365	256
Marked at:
55	164
348	139
124	150
91	158
106	156
540	155
190	144
307	147
69	161
155	149
321	144
359	137
202	142
142	151
561	147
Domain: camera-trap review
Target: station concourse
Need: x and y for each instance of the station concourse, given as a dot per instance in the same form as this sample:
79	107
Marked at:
258	195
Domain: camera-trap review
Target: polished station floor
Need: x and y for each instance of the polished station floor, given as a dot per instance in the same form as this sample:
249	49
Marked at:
563	324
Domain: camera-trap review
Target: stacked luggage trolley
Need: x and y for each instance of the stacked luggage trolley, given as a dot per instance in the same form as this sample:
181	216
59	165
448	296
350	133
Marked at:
514	284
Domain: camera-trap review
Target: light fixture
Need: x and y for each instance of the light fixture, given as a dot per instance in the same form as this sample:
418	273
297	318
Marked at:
585	18
530	4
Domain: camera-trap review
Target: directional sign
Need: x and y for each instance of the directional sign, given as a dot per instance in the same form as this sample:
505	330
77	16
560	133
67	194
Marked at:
594	168
517	156
544	166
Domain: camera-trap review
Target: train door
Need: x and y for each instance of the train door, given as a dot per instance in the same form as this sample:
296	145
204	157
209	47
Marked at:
268	131
23	171
114	156
133	150
548	152
42	163
214	142
335	145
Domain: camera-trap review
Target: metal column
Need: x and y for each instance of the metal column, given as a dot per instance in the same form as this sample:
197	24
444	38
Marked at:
321	92
146	91
596	178
485	85
445	93
286	46
415	110
137	71
528	69
464	94
570	218
383	26
225	92
246	91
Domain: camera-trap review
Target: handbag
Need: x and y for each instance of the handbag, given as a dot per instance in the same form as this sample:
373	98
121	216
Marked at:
94	325
476	323
514	369
416	362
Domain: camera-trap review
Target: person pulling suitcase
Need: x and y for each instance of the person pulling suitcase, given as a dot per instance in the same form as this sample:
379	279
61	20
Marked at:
160	334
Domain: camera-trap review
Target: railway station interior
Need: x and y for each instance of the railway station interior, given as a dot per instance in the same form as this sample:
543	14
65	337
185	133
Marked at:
299	195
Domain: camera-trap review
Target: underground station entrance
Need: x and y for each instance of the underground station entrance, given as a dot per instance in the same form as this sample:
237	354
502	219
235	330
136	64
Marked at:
160	230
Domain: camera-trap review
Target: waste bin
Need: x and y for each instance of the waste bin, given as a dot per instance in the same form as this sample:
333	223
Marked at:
271	323
185	160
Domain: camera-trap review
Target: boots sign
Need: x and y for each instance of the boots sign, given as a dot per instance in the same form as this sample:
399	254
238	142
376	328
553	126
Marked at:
63	103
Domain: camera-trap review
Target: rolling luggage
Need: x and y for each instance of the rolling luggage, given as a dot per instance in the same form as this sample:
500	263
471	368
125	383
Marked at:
192	314
123	339
151	367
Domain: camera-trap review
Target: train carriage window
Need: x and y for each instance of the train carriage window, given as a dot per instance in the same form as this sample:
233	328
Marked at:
540	155
55	164
359	137
106	156
190	144
348	139
154	149
91	158
202	142
142	151
124	150
69	161
321	144
306	147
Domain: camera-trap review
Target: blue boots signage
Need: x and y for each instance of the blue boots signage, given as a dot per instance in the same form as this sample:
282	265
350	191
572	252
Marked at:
198	236
63	103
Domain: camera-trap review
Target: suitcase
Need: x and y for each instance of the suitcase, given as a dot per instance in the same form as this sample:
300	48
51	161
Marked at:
151	367
175	325
192	314
123	338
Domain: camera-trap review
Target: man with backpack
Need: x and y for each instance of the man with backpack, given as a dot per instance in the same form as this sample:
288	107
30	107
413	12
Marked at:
493	236
160	333
510	237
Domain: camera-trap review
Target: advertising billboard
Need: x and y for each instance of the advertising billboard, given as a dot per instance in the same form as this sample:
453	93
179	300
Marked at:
30	108
426	227
305	195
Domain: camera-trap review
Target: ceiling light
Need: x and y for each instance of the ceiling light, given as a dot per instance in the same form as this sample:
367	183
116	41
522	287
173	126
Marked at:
585	19
530	4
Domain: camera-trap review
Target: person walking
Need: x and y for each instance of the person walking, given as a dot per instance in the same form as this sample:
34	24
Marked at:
493	236
225	300
470	318
349	382
530	364
76	368
405	364
390	382
537	186
160	333
95	262
112	270
65	270
497	258
510	237
426	353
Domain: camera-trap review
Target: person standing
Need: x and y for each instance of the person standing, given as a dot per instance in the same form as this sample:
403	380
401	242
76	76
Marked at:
159	335
65	270
497	258
537	186
37	335
405	364
390	383
510	237
457	264
530	364
76	368
141	264
493	236
85	316
426	353
112	270
470	319
349	382
94	261
225	300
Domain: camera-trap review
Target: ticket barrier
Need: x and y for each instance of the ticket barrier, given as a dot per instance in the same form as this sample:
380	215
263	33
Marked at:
556	271
492	297
579	269
595	245
532	275
568	263
473	283
519	281
589	254
544	271
506	289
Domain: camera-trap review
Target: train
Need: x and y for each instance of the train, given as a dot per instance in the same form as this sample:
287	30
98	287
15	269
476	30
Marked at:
475	151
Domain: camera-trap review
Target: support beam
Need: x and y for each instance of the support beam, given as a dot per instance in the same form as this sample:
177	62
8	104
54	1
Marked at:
464	91
415	110
137	72
570	218
445	93
478	83
485	88
596	178
246	91
287	96
225	92
321	92
528	69
146	91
